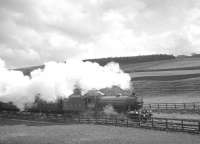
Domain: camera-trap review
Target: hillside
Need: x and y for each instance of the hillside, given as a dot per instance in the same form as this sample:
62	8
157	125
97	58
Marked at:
132	59
173	69
167	80
162	65
104	61
148	88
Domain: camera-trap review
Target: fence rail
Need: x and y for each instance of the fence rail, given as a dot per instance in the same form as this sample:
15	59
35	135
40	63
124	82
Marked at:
174	106
183	125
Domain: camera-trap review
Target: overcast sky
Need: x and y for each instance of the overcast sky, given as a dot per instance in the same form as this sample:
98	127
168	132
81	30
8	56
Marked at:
36	31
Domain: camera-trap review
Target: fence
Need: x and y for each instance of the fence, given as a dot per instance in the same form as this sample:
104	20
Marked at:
183	125
155	123
195	106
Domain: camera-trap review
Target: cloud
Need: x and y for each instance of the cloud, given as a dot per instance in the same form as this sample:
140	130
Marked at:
33	32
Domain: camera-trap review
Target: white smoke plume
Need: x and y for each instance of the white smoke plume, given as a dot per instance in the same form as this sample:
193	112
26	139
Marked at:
58	80
109	110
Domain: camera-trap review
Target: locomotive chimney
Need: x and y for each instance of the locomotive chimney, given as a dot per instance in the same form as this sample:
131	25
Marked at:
132	90
77	91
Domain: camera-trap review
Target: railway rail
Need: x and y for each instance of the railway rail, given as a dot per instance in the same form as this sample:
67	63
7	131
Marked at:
166	124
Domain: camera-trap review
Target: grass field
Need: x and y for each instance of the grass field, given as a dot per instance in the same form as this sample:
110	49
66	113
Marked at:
23	133
150	88
175	69
178	63
164	73
176	98
177	115
164	64
167	92
177	85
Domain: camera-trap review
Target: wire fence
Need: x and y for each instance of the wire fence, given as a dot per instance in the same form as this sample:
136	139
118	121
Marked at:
195	106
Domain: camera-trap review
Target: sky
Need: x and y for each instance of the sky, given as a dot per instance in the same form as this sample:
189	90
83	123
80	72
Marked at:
34	32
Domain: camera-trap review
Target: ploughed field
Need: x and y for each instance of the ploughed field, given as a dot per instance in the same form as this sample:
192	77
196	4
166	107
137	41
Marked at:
176	80
13	132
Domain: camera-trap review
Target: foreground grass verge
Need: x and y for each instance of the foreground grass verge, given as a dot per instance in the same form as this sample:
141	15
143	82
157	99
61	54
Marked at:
13	132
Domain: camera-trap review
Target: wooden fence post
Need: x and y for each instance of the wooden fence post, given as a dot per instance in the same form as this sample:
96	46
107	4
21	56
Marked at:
184	106
96	119
152	123
166	124
115	121
63	118
182	126
127	122
199	126
194	106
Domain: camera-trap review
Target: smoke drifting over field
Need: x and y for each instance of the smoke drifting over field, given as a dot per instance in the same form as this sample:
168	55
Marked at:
58	80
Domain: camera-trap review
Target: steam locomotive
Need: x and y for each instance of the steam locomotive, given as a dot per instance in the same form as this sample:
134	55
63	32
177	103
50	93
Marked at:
93	102
96	102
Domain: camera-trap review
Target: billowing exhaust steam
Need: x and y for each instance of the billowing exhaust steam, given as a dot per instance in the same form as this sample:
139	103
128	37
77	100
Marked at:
58	80
109	110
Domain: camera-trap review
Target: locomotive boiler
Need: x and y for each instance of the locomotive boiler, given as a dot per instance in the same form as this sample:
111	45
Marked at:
120	103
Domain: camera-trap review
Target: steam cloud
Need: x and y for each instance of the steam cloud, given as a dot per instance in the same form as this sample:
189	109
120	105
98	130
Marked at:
109	110
58	80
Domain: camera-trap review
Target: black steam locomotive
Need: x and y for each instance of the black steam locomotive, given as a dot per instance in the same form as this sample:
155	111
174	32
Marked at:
93	102
97	102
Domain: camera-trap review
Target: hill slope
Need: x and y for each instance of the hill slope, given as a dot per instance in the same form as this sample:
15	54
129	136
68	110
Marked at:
166	80
176	80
